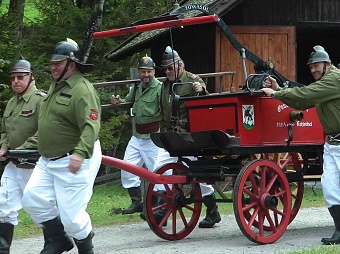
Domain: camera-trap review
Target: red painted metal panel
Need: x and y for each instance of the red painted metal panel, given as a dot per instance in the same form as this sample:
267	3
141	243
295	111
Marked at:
275	124
213	114
256	120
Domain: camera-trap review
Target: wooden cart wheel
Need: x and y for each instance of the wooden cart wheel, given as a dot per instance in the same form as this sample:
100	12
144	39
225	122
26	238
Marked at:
174	205
291	163
262	201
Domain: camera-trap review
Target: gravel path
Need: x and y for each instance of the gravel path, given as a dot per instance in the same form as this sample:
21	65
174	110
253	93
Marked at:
305	232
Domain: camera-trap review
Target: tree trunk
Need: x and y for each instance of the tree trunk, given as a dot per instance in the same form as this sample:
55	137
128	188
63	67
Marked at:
96	21
16	15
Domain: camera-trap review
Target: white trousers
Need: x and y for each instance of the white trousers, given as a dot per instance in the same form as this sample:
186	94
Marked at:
13	182
331	175
164	158
138	152
53	190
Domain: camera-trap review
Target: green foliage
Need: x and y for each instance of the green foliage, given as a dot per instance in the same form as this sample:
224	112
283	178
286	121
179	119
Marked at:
45	24
111	130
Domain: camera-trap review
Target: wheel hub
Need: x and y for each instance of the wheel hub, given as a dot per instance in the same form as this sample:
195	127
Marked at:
268	201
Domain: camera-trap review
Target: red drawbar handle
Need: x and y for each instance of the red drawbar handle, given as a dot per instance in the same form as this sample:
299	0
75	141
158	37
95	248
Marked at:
157	25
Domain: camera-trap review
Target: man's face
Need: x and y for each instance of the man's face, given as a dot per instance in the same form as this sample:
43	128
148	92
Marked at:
146	76
172	72
57	69
20	81
316	69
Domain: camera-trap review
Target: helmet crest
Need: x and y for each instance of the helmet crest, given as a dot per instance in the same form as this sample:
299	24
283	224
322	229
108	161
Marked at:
146	62
169	57
318	55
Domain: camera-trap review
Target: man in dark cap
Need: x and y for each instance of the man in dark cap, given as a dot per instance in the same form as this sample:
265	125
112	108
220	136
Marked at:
174	69
146	110
324	95
61	185
18	131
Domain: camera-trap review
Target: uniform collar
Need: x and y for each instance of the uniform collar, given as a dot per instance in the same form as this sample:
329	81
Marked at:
26	96
72	80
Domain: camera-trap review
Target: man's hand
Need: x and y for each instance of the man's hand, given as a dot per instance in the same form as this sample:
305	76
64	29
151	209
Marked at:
75	163
115	99
271	83
2	153
198	87
267	91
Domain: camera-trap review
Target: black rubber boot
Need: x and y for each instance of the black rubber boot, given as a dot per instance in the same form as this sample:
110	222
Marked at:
335	238
6	236
136	198
212	215
85	246
56	239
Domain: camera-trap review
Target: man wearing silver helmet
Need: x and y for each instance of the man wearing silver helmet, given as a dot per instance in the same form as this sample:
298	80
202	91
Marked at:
324	95
146	110
174	68
61	185
18	131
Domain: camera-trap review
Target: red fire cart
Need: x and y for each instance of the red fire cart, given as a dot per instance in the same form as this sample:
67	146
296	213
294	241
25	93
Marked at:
265	148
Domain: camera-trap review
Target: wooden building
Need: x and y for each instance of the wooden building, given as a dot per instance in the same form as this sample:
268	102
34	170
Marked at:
284	31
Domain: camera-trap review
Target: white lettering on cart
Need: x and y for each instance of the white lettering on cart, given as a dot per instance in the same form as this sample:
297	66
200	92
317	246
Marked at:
281	107
304	124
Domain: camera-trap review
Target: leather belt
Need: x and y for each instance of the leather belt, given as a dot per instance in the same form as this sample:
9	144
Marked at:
334	137
147	128
62	156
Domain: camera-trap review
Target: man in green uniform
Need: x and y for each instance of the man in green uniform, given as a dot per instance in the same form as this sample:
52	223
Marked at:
324	95
62	182
146	110
19	127
193	85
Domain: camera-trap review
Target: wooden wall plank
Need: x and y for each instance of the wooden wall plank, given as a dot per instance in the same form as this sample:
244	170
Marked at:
270	42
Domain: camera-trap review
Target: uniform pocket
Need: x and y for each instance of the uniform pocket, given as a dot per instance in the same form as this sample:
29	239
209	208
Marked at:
150	106
63	100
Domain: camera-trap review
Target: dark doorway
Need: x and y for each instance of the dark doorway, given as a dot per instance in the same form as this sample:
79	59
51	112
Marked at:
306	39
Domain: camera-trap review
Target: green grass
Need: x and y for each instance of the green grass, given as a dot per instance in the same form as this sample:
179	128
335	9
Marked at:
333	249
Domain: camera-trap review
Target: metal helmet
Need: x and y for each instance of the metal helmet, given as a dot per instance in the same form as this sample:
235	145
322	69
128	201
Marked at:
169	57
318	55
22	65
69	49
146	63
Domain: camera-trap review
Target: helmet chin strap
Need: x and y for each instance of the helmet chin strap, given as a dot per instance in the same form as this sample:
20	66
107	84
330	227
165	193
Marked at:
28	84
324	69
64	71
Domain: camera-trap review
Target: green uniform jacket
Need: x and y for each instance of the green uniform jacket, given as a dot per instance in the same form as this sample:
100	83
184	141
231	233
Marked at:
323	94
184	90
146	107
69	118
20	121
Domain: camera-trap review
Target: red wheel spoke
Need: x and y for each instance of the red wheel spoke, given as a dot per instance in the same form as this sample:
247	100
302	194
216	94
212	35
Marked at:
271	183
262	213
254	184
175	199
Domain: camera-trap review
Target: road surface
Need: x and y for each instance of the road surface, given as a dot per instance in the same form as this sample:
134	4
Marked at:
305	232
